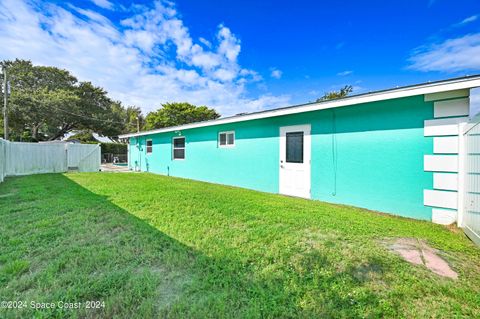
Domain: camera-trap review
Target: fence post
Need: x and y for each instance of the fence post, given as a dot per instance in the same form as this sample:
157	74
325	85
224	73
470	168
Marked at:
66	157
462	156
5	164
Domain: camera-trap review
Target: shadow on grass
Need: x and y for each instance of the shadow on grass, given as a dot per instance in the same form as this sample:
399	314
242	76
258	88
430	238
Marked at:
62	242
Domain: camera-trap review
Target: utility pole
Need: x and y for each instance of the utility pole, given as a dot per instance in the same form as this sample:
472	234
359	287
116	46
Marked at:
5	103
138	124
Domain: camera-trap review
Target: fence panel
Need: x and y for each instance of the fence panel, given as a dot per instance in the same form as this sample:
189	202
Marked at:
471	218
18	158
35	158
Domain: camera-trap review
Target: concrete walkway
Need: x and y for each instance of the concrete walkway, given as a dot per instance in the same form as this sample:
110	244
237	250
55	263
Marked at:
114	168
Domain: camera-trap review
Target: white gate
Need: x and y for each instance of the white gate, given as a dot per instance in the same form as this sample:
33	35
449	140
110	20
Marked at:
471	215
83	157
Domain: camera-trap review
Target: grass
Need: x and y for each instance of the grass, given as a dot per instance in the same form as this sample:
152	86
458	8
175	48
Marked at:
150	245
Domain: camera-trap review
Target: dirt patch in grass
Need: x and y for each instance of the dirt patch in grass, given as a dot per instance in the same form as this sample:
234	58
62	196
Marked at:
418	252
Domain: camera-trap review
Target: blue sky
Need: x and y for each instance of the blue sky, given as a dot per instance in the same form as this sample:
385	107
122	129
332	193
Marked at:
243	56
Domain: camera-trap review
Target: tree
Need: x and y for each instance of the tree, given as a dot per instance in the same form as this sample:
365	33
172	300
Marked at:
48	102
172	114
332	95
34	92
131	115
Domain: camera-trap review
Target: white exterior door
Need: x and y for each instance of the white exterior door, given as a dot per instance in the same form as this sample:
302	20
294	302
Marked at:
295	150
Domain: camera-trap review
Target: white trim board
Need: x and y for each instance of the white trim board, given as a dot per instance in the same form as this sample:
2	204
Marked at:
445	145
442	199
443	127
445	181
457	107
444	216
421	89
440	163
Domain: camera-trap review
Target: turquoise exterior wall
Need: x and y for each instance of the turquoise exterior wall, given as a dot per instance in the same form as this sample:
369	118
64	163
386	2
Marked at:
368	155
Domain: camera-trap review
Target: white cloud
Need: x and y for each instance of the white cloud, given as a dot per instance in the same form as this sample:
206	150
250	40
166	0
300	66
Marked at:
207	43
344	73
270	100
251	74
150	59
276	73
452	55
103	4
465	21
229	44
469	19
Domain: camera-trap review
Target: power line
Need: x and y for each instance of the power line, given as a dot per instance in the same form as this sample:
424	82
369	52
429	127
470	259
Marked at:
87	117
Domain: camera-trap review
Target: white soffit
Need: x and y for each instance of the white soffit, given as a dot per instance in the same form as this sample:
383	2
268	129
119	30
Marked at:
447	95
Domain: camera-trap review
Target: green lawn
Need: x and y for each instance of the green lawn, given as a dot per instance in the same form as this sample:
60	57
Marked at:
149	245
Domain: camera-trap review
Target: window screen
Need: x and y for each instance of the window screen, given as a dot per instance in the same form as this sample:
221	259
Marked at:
179	148
149	146
179	142
179	153
230	139
294	148
223	139
226	139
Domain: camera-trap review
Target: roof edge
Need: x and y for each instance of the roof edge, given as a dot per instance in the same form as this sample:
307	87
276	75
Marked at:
405	91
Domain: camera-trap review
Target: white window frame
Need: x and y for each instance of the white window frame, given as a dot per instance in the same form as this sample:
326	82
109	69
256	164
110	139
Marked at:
146	146
179	148
226	139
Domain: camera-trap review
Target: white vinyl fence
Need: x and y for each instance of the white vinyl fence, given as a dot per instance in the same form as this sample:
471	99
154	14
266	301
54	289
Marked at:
84	157
3	161
471	216
17	158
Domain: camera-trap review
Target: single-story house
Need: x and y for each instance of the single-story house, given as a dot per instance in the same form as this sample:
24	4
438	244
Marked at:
394	151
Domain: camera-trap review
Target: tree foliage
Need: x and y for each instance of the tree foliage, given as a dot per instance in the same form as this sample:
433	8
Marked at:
172	114
47	102
131	115
332	95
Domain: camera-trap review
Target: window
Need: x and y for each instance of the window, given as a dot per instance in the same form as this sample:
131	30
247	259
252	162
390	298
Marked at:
178	148
226	139
294	147
149	146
